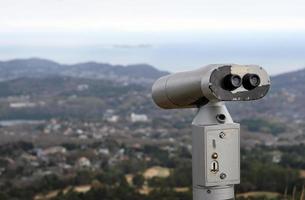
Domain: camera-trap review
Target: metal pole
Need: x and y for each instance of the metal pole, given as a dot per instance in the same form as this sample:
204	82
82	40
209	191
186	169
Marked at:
216	153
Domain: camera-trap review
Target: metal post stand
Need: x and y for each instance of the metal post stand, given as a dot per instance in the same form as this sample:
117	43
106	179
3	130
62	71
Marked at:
216	153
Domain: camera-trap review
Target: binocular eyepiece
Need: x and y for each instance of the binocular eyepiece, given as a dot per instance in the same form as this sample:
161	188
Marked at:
234	81
251	81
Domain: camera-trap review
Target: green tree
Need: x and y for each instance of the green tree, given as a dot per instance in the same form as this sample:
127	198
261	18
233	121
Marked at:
138	180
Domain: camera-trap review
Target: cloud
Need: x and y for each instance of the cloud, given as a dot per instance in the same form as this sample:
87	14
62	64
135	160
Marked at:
150	15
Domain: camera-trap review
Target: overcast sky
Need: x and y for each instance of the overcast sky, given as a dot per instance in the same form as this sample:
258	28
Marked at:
147	15
65	23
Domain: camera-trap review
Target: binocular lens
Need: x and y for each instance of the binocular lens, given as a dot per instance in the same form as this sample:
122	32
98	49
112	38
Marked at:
231	82
251	81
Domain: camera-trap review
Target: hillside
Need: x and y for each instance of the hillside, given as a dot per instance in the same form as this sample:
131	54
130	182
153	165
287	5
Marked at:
138	73
48	81
62	97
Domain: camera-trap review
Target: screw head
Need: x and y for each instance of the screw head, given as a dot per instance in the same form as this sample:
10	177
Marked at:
223	176
222	135
214	155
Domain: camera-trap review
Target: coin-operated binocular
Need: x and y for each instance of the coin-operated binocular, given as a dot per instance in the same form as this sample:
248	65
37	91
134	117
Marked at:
216	138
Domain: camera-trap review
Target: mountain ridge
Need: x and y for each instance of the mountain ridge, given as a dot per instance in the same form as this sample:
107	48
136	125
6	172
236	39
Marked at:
135	70
37	67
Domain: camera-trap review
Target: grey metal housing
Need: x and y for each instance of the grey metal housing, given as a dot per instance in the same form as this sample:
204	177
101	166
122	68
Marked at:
198	87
